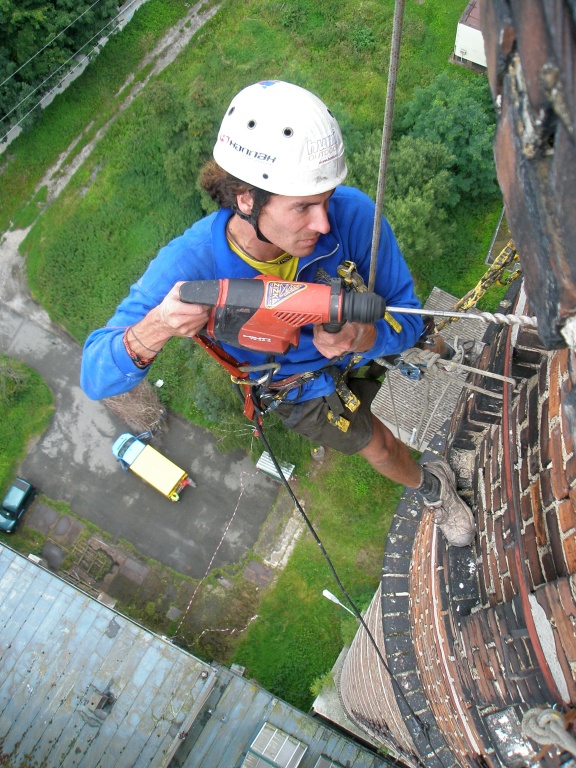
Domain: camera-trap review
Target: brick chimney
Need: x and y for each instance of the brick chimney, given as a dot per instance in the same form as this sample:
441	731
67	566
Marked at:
472	639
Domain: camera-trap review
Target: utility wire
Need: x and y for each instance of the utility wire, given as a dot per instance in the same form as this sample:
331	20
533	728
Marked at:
38	87
15	125
48	44
58	69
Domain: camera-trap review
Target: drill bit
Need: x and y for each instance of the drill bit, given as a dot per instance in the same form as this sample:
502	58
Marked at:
486	317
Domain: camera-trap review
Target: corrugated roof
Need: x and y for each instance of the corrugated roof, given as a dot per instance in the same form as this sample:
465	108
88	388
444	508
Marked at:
82	685
234	715
80	682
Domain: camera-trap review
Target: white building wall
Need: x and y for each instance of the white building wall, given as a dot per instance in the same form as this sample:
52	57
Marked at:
469	45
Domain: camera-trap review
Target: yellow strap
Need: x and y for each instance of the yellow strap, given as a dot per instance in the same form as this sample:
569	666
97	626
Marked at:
392	321
338	421
494	273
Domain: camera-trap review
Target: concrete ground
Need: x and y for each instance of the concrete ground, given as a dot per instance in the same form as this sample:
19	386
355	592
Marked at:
73	462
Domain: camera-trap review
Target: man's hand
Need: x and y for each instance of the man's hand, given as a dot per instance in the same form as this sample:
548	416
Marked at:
170	318
177	318
353	337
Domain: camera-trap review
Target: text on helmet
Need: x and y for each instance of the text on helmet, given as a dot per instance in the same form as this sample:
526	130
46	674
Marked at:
262	156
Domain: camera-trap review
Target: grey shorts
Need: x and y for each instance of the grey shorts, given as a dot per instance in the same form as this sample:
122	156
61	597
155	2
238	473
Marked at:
309	419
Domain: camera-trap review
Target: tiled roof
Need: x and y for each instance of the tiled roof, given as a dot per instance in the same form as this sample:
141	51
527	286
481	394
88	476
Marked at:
416	410
471	15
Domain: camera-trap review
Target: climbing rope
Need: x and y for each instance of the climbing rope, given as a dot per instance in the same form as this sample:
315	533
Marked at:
494	274
386	136
547	727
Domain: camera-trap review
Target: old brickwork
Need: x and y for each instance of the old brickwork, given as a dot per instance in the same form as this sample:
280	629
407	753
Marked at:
489	632
369	698
465	630
531	56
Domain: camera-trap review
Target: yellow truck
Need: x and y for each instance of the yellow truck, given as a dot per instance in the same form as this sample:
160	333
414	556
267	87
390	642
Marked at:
150	465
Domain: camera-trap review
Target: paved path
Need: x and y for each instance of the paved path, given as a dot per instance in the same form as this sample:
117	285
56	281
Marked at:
73	462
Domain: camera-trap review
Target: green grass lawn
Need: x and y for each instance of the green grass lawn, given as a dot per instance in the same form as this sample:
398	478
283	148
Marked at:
26	407
299	633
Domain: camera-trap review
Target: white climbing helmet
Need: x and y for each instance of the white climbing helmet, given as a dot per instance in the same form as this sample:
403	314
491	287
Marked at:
283	139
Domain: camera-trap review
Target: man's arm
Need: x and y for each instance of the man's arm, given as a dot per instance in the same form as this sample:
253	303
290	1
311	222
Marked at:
116	358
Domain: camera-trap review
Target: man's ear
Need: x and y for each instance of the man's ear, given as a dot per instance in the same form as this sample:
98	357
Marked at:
245	202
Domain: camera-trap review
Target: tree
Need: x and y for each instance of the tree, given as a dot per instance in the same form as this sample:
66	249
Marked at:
420	191
422	195
38	40
422	228
458	115
417	164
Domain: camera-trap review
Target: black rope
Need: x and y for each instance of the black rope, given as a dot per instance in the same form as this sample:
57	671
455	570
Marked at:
423	727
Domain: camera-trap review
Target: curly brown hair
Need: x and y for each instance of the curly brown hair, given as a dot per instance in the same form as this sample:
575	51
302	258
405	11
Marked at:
223	188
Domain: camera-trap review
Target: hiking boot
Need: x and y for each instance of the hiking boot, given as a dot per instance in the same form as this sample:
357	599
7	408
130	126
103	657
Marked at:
451	514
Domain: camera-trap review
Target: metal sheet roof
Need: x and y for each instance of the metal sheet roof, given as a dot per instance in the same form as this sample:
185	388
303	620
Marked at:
82	685
233	717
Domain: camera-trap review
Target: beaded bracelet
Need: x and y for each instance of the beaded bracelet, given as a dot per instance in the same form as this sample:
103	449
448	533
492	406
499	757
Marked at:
140	362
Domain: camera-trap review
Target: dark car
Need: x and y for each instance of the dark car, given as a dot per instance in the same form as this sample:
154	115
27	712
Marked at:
16	502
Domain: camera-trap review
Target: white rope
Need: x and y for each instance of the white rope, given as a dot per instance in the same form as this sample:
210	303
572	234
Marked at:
546	726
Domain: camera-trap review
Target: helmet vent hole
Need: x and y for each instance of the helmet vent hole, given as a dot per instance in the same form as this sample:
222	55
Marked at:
252	124
288	132
231	110
331	115
264	175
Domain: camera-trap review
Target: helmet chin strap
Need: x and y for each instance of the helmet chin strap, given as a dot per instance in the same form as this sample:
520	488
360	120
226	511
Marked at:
259	197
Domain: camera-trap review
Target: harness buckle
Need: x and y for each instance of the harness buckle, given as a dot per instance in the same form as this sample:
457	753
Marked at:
269	368
338	421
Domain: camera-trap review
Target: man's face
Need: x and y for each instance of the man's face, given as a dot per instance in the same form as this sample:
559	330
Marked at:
294	224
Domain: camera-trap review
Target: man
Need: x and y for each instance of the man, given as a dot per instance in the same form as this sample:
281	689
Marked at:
276	175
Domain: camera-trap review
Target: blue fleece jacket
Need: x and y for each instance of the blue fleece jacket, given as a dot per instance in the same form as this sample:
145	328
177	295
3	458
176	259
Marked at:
202	253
